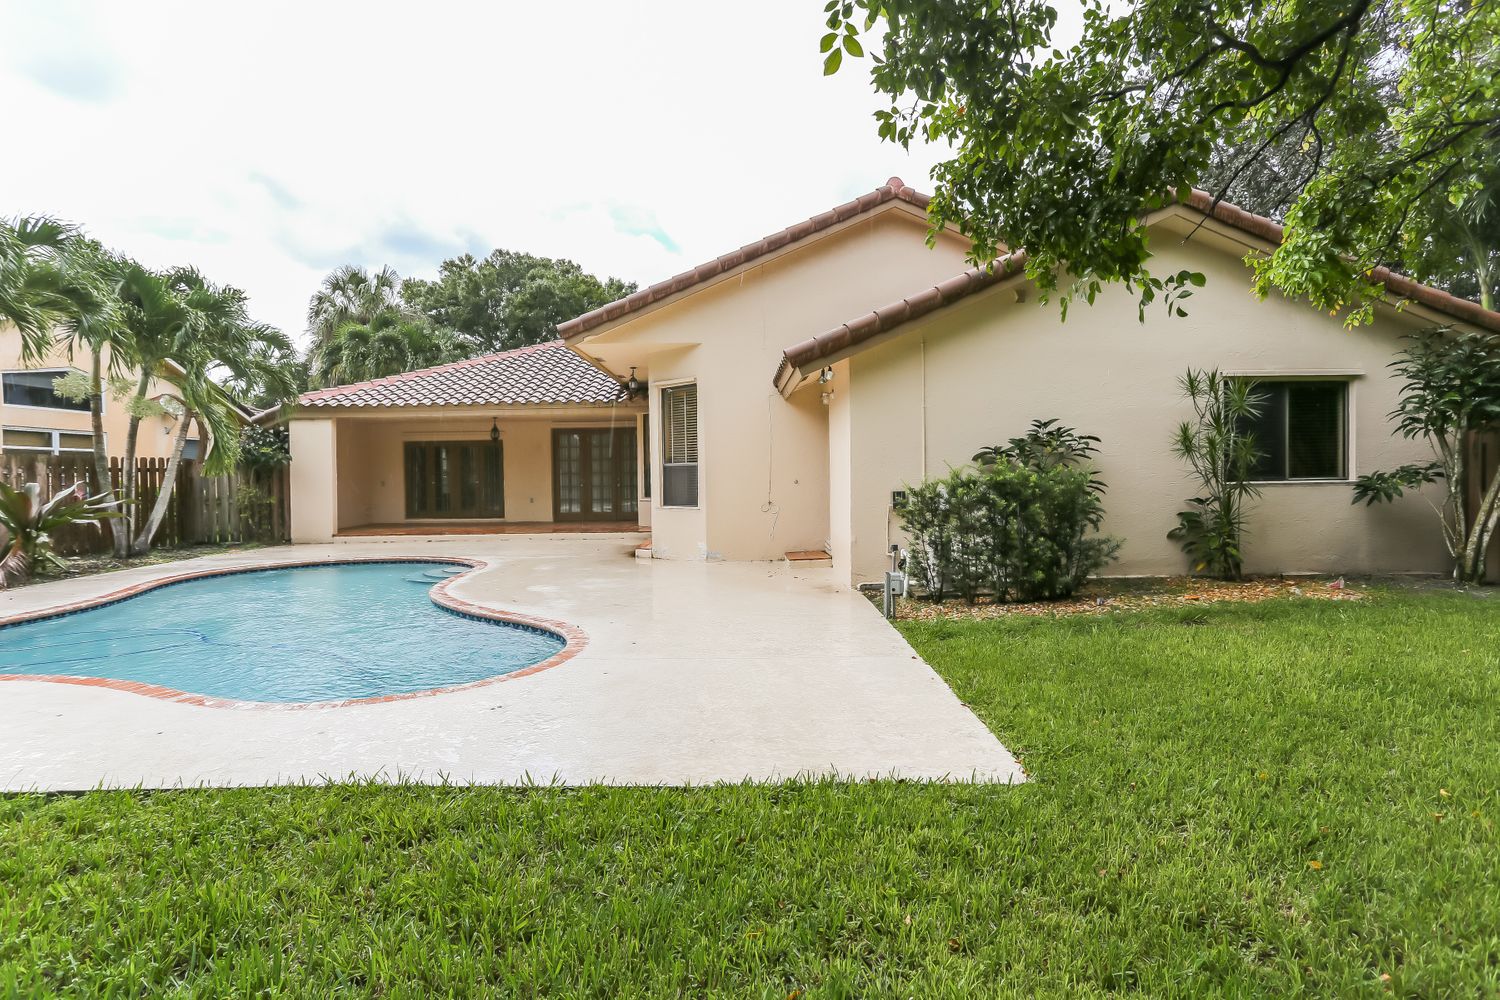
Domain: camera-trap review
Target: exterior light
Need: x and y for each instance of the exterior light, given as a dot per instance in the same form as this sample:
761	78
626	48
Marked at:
494	430
825	376
633	387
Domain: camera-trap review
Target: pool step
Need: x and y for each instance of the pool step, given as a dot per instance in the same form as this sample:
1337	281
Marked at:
436	574
809	559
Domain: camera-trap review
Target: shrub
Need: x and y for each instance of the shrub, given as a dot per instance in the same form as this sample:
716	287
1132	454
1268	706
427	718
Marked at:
1450	392
1220	452
264	449
1046	443
1011	528
27	523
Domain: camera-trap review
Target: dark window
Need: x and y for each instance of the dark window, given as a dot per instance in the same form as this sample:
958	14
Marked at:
35	389
646	461
1302	432
679	446
455	479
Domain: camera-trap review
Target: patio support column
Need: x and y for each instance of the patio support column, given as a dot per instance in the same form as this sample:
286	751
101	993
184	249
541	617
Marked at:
314	480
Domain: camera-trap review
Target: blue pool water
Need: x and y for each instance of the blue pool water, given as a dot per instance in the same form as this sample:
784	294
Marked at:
317	633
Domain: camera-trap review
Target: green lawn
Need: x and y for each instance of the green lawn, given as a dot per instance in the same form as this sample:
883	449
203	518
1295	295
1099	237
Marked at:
1274	799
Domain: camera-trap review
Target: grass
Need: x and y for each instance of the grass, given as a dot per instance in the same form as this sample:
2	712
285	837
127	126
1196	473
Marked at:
1275	799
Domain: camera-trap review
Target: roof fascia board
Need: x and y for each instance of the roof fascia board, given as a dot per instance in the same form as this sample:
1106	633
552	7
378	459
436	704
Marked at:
1388	303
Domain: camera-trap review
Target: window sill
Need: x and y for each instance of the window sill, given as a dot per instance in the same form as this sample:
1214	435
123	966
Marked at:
50	409
1301	482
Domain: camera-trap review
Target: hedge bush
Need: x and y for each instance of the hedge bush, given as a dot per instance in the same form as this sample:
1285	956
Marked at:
1010	529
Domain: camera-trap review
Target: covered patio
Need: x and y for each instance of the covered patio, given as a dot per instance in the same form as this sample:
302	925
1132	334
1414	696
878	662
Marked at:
529	441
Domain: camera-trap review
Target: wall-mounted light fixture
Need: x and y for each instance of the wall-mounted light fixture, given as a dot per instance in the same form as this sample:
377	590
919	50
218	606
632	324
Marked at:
495	430
632	385
825	376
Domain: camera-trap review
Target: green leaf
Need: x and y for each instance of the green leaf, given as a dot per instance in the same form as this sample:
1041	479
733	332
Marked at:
852	46
828	41
831	64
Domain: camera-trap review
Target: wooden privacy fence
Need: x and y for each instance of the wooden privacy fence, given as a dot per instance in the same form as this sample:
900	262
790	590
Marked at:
240	507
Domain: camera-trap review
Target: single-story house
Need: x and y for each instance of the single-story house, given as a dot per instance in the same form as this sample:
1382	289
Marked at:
785	391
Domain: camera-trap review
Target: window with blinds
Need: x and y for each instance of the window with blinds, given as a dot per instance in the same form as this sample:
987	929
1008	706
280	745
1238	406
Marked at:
1302	431
41	439
679	446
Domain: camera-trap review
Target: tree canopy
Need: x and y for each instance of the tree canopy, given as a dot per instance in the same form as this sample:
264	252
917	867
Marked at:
509	299
66	292
1393	108
391	342
350	294
366	325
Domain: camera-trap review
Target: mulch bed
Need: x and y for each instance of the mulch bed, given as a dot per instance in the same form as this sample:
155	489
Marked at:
1106	596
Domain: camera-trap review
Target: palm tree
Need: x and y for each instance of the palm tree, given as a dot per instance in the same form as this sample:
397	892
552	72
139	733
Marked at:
248	357
390	343
154	318
216	351
32	251
55	288
351	295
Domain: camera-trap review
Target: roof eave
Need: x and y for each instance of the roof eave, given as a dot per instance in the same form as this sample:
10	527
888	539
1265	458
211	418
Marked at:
864	331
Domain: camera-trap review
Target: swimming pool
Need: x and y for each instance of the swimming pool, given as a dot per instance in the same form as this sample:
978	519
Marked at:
323	633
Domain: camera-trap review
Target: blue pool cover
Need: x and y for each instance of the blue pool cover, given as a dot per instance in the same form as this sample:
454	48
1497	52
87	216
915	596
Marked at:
301	634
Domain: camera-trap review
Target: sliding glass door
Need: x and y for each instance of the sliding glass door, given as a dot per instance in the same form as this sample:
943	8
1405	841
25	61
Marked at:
594	474
455	479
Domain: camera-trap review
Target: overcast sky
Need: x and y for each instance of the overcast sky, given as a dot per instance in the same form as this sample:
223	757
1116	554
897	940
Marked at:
268	143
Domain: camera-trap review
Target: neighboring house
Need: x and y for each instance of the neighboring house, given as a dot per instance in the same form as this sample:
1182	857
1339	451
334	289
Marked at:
794	385
35	420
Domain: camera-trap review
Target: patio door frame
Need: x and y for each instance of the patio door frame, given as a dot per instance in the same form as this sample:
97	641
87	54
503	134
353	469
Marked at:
625	490
479	451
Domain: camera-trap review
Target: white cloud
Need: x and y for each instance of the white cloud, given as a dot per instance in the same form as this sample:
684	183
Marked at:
268	142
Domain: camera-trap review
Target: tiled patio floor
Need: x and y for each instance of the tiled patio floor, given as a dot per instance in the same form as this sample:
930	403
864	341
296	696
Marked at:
693	673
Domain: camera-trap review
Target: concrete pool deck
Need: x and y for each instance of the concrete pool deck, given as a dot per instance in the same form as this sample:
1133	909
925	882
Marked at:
693	673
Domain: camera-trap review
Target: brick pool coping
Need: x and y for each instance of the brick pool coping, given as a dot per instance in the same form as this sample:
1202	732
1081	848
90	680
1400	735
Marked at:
573	637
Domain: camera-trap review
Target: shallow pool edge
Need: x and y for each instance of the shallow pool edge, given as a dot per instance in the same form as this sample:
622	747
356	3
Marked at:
574	639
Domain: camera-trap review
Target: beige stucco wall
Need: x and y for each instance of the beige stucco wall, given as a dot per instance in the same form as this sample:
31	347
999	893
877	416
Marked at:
156	433
314	493
366	450
763	472
840	480
979	372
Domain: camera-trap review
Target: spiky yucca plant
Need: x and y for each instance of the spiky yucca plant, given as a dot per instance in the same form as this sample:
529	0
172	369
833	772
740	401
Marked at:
26	525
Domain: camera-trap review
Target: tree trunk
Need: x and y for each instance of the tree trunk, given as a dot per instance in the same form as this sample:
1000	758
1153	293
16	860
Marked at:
128	522
142	543
1471	564
1479	256
102	482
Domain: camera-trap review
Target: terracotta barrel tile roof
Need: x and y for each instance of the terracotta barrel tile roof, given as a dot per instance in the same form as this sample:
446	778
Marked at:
888	317
893	190
1397	284
543	374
